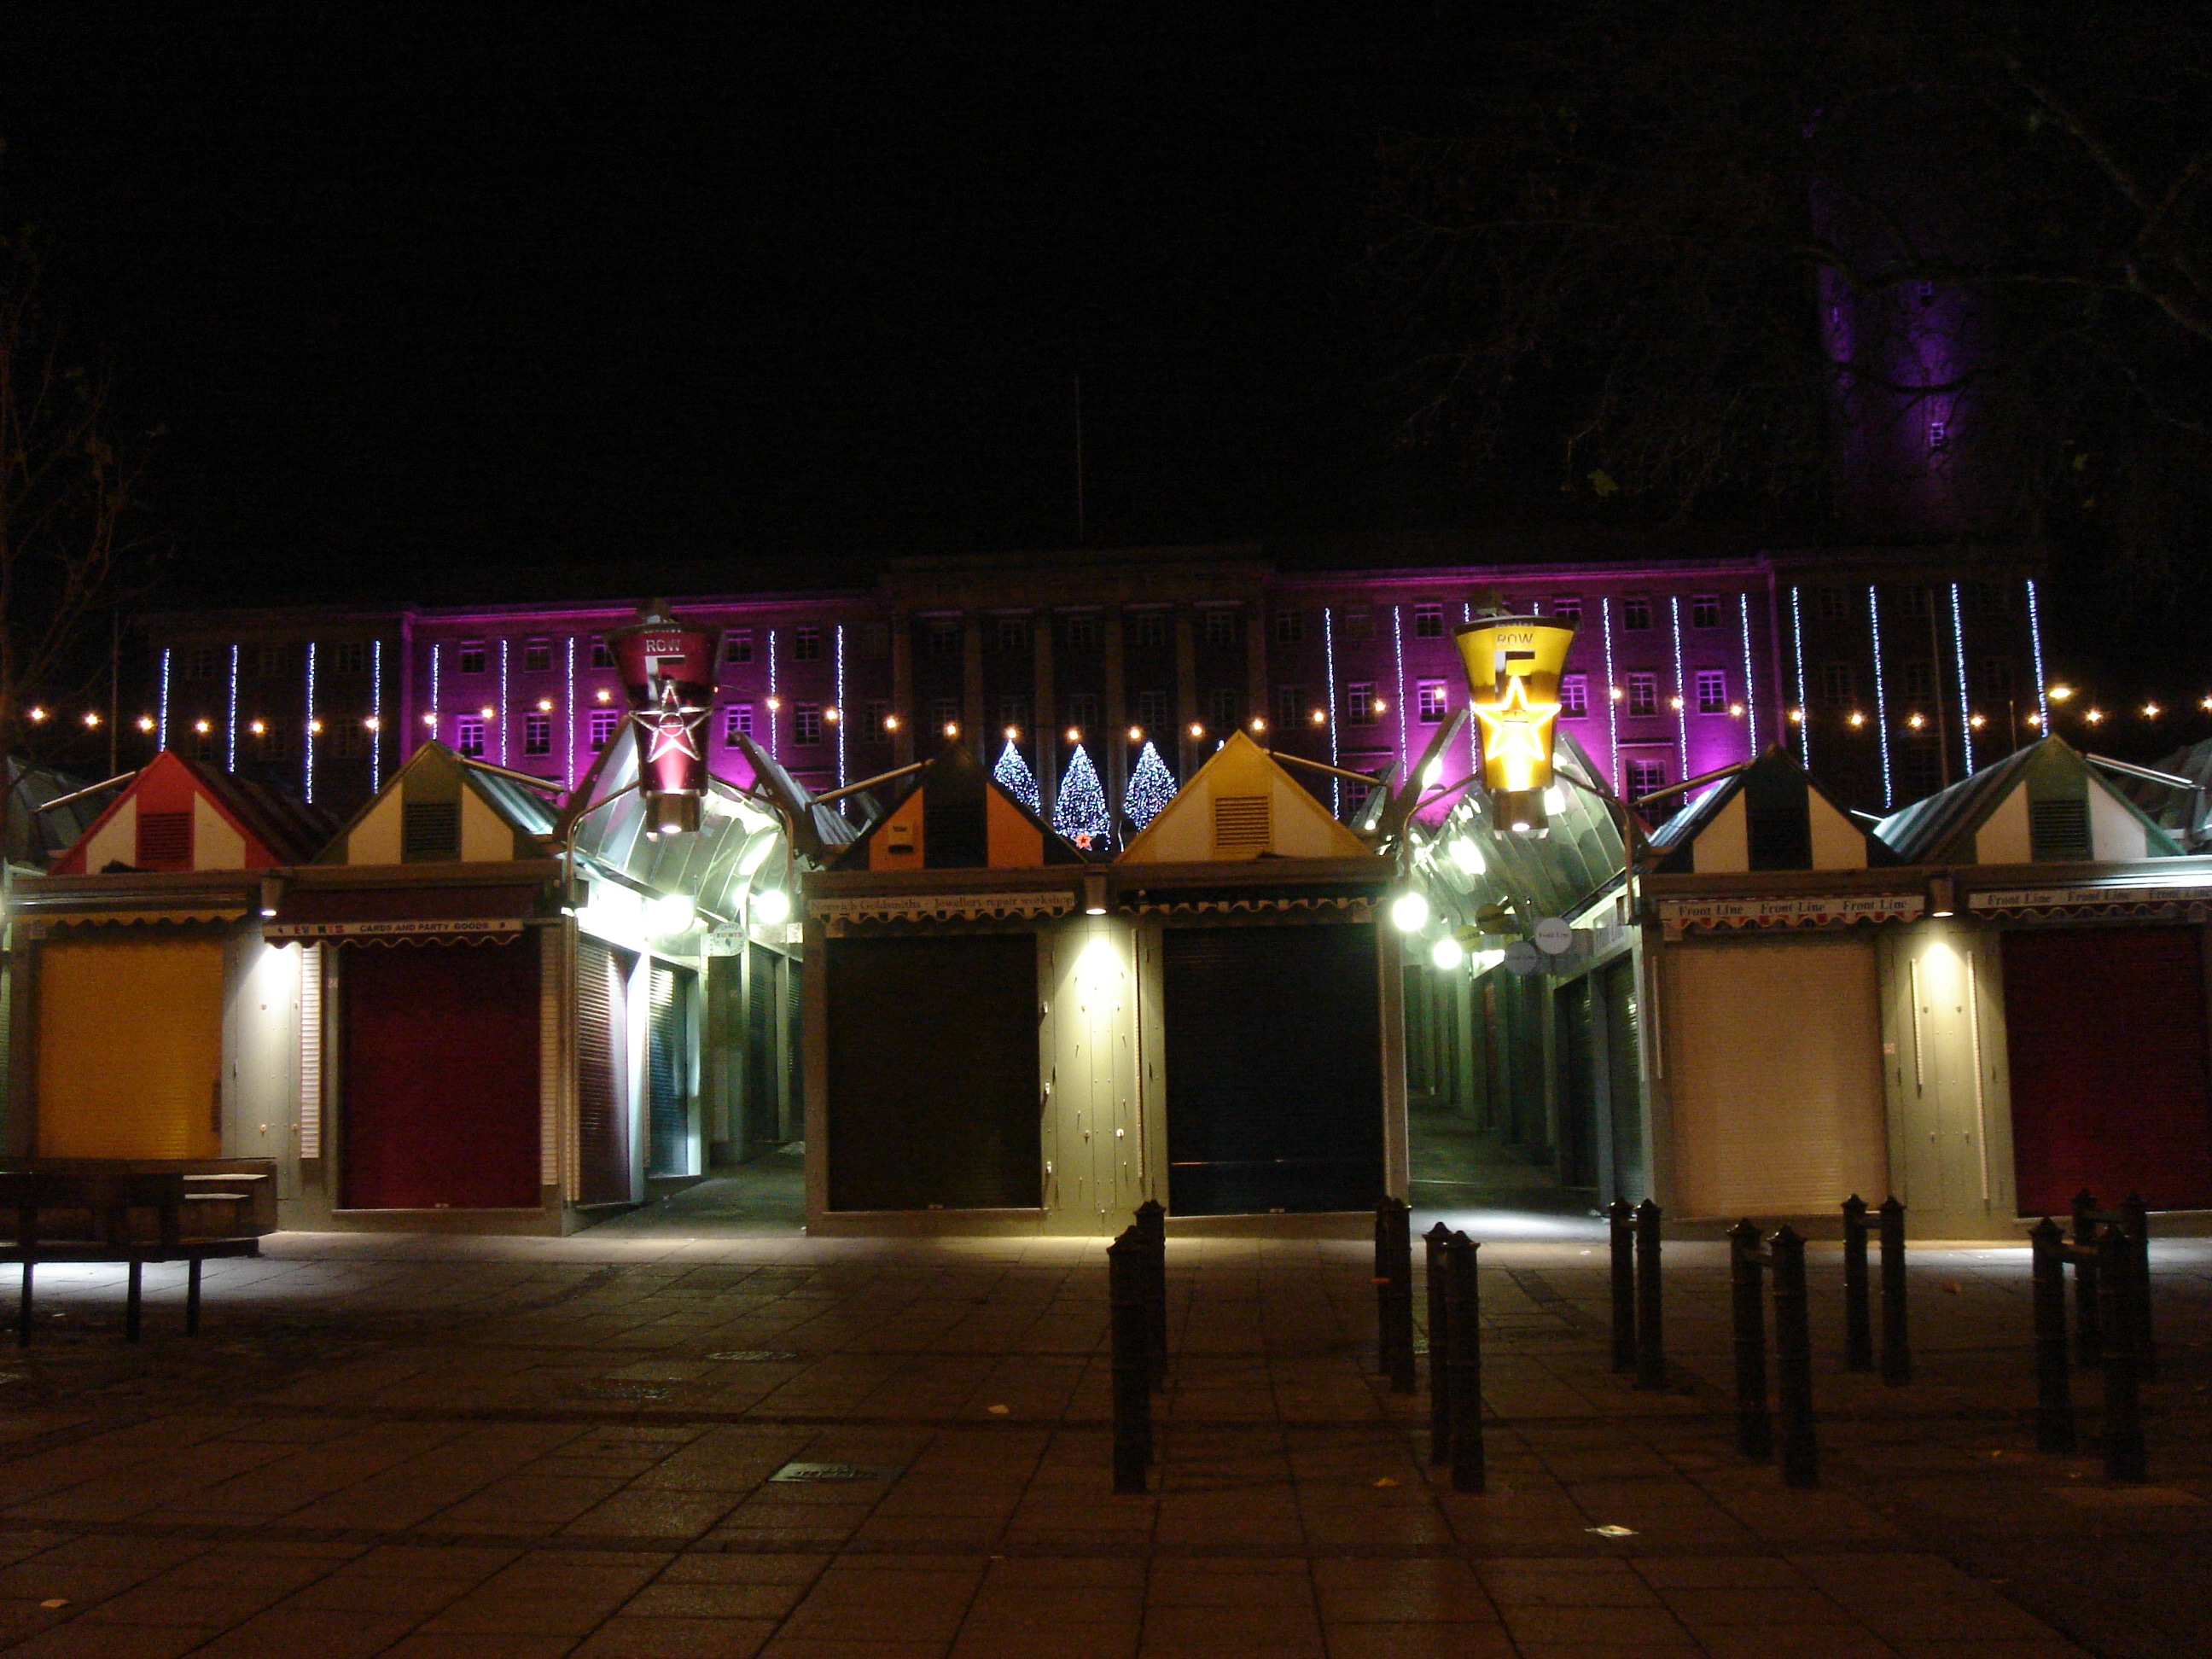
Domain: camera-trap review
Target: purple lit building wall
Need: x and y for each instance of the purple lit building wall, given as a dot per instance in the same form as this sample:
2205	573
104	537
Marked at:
1679	667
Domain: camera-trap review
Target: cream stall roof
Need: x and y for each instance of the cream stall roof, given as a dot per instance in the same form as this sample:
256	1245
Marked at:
2020	810
1241	804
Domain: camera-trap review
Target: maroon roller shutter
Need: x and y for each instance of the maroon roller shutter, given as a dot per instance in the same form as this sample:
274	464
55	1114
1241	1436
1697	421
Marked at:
2106	1028
602	1051
440	1093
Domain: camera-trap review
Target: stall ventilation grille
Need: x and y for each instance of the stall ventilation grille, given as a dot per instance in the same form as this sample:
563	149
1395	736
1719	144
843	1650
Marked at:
165	841
1243	823
430	832
2058	831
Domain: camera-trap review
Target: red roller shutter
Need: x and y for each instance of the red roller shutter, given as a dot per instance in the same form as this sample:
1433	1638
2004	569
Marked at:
2106	1028
440	1096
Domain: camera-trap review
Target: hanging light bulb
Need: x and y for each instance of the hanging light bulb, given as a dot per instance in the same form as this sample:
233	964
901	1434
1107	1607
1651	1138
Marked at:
1466	854
772	905
1409	912
1447	954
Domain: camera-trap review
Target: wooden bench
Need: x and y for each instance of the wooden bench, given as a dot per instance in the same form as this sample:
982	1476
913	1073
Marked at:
103	1216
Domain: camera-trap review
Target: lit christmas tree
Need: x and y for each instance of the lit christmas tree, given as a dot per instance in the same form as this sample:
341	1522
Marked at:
1151	786
1080	812
1015	777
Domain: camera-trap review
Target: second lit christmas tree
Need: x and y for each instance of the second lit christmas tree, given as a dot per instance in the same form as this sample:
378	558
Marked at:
1014	777
1151	786
1081	813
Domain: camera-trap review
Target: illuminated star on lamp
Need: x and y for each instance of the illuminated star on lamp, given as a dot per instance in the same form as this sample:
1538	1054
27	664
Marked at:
1516	738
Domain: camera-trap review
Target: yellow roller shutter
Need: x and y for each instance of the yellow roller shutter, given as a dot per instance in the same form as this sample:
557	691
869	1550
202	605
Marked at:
130	1048
1773	1058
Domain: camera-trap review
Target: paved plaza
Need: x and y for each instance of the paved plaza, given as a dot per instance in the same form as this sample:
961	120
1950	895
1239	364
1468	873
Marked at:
488	1447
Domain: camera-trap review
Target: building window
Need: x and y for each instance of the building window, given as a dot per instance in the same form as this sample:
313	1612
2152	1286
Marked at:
1358	622
1919	770
205	745
537	734
1148	629
199	663
1152	709
1645	777
276	742
1227	707
601	656
945	712
602	728
1939	436
1996	679
1836	687
1574	697
469	657
806	645
1988	598
876	642
469	735
1013	633
1290	627
737	722
1428	622
1432	702
1643	694
1705	611
1636	614
807	724
1080	633
1912	601
536	656
737	645
1832	604
1712	692
1220	626
270	661
1082	710
348	739
1916	683
1568	607
1289	707
879	728
941	636
1013	712
349	657
1359	703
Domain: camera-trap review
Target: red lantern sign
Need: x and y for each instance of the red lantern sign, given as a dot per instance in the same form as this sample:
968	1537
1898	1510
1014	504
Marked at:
668	668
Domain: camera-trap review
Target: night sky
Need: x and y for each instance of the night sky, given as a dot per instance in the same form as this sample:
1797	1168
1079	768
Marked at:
420	295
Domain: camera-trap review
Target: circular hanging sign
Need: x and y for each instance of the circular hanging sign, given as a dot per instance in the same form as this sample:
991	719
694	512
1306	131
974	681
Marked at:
1520	958
1553	936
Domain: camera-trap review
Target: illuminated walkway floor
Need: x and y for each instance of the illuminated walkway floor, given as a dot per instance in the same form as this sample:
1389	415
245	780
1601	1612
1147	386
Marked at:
533	1446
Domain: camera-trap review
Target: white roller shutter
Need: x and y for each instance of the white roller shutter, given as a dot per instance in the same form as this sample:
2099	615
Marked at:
1773	1059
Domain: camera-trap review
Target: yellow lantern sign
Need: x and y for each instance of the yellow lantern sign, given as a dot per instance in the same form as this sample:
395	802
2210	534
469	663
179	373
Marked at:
1513	666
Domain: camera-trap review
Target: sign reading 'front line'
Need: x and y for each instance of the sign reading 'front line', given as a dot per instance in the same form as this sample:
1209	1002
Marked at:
1676	916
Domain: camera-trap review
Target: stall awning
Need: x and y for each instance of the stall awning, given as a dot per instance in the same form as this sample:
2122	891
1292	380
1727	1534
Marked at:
141	918
2149	901
395	914
1677	916
834	913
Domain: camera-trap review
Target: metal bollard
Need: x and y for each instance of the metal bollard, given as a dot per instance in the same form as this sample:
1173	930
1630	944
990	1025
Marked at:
1393	1292
1793	1360
1621	1219
1754	1429
2124	1457
1650	1337
1438	1240
1859	1313
2054	1403
1153	1225
1896	1344
2089	1323
2135	1219
1468	1472
1133	1393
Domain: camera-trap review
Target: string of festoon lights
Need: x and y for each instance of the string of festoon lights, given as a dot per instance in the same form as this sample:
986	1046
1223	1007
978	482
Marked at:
2068	702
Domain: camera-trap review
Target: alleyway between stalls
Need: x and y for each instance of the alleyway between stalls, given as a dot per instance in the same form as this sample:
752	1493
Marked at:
490	1447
